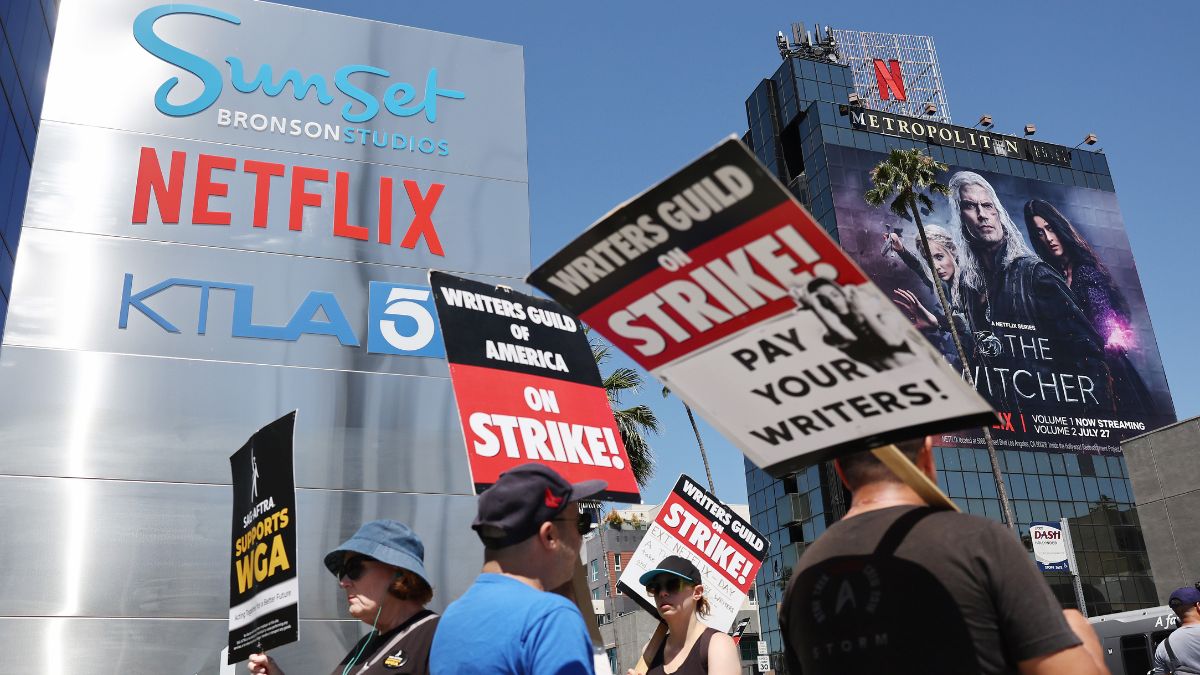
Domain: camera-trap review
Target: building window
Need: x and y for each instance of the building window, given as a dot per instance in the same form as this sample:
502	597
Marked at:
612	658
616	562
607	590
595	570
596	593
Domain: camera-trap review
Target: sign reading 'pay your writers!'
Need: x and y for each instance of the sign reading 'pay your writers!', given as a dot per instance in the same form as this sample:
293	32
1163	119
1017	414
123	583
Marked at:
720	284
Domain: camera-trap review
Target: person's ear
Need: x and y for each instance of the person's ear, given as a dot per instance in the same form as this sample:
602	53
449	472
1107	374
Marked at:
837	468
548	536
925	459
697	592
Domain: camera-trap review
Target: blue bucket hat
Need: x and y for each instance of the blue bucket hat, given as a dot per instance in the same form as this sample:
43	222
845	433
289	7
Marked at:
388	541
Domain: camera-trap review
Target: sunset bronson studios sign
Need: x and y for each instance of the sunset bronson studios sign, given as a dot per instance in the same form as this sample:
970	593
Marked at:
242	126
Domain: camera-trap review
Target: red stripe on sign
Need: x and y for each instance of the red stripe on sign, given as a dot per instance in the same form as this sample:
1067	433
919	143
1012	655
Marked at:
695	530
722	287
510	419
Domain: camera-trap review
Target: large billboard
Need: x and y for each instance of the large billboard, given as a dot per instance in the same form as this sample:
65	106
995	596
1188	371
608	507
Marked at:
1043	291
232	212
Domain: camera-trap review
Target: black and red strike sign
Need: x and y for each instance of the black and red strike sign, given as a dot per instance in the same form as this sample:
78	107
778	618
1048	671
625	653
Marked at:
712	531
697	526
722	286
527	387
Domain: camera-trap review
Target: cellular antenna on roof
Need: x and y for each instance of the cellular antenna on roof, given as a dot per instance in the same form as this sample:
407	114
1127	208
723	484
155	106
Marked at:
817	45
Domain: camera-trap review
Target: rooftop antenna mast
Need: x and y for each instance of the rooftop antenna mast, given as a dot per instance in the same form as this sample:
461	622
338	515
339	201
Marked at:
816	45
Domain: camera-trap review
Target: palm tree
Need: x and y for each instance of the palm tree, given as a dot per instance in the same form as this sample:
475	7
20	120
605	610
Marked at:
634	422
909	175
666	391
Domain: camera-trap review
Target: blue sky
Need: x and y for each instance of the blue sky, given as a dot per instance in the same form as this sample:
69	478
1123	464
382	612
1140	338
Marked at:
620	94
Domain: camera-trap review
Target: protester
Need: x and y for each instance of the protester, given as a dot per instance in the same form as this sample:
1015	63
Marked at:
1180	651
509	621
689	647
896	586
382	570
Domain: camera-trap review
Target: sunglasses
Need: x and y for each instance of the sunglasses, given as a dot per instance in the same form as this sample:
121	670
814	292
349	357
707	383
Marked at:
583	522
354	568
670	585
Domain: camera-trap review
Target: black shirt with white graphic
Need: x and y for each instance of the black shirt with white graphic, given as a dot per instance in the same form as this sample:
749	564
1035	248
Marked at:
909	589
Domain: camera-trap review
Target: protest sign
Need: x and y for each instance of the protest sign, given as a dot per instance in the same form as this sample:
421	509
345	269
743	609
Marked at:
527	387
695	525
264	591
719	283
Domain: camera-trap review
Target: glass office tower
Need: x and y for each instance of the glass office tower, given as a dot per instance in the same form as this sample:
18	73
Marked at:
821	134
26	30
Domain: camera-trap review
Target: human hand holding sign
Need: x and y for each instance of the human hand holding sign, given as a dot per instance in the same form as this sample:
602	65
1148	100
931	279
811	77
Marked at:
261	664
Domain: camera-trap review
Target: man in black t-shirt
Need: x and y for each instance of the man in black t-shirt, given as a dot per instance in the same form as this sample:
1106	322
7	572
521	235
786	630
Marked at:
897	587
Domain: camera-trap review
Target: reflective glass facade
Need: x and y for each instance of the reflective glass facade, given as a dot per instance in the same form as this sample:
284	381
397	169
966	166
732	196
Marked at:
26	30
799	128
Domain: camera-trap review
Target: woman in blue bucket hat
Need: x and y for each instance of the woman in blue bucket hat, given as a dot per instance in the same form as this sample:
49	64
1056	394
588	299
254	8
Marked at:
382	570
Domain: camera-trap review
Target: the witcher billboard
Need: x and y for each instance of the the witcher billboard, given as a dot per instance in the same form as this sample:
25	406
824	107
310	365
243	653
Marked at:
1044	293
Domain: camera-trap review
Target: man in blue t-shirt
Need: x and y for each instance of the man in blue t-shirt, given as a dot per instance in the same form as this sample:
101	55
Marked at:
508	622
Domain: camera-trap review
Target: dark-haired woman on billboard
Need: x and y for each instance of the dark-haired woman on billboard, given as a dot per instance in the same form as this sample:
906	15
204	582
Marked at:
1058	243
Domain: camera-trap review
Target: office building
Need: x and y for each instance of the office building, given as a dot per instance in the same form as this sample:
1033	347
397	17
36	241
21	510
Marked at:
821	126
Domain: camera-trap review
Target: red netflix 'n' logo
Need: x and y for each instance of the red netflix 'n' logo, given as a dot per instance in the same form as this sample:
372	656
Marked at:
890	80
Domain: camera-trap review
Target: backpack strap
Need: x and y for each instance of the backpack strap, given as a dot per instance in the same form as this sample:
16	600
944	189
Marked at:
1173	661
897	531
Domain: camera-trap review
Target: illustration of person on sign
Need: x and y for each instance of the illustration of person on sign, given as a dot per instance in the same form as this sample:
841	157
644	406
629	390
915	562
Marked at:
856	324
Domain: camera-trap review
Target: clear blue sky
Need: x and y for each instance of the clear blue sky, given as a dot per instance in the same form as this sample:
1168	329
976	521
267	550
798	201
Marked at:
620	94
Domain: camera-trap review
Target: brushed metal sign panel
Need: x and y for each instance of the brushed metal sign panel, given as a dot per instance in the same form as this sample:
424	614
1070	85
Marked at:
76	291
177	646
96	415
230	71
134	549
350	210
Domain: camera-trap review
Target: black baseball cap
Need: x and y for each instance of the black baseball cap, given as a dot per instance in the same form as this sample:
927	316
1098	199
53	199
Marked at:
675	566
516	505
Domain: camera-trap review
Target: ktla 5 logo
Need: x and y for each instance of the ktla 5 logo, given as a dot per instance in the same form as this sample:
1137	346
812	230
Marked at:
400	317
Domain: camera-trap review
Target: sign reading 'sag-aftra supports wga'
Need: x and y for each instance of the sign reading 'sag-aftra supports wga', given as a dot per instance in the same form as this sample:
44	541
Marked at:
264	589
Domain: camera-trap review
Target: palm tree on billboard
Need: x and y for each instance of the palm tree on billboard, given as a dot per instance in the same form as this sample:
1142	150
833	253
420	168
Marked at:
908	177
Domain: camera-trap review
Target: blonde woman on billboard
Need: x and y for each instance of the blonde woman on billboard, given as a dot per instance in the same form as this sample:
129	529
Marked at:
944	251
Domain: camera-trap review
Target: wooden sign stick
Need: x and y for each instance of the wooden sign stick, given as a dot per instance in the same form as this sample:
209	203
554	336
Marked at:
643	664
913	477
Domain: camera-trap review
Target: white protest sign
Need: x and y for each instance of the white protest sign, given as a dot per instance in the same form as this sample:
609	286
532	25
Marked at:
725	548
719	283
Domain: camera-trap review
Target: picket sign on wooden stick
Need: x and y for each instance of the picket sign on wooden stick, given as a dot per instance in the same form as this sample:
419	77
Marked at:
913	477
